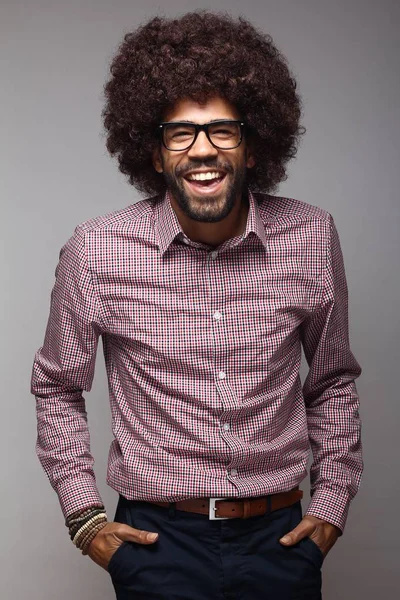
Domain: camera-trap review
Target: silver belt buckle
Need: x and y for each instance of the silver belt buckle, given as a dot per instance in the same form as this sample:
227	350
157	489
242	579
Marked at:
212	509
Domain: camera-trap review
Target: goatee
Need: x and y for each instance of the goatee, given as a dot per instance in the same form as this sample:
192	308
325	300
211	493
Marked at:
207	209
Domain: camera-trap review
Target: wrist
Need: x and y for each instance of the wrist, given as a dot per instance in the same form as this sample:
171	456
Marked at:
90	537
84	525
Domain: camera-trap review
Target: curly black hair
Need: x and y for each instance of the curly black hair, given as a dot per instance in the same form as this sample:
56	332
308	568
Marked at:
197	56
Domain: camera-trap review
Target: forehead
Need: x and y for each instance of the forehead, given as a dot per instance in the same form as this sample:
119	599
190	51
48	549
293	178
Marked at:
187	109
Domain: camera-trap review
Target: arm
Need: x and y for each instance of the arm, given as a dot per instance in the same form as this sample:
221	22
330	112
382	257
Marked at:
63	367
331	397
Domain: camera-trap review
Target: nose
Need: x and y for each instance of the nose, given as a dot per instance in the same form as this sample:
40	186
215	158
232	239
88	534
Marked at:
202	148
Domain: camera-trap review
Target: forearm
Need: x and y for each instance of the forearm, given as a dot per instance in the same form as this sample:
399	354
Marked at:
63	439
63	448
335	437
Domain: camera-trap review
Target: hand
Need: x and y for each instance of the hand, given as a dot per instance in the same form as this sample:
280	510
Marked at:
324	534
108	540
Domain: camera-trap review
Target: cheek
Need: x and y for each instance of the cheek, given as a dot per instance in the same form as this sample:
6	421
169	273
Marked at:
173	166
241	163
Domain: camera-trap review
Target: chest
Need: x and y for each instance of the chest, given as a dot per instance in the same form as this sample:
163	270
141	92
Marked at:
244	305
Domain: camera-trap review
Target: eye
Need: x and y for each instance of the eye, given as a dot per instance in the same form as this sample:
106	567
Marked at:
179	133
224	130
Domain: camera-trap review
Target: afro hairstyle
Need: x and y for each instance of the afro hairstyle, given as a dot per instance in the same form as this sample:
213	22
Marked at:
200	55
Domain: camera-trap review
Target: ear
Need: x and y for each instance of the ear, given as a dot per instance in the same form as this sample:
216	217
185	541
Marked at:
250	160
157	160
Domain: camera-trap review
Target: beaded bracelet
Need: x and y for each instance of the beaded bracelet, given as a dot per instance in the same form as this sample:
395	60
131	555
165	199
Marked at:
87	526
78	515
84	531
86	543
75	520
76	526
83	538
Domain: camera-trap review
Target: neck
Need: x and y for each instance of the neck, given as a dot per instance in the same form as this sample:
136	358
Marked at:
214	234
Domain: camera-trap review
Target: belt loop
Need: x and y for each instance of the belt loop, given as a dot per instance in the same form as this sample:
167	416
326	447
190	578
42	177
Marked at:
269	503
172	511
246	509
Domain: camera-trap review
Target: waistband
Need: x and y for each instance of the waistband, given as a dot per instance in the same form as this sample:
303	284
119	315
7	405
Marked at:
235	508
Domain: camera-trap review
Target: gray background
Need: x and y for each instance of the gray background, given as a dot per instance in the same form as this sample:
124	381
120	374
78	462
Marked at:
55	173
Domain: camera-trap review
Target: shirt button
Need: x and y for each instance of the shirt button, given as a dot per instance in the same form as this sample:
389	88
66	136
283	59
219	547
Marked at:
214	254
222	374
234	472
217	315
227	426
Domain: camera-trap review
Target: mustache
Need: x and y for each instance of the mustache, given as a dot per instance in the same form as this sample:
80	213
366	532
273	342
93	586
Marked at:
192	166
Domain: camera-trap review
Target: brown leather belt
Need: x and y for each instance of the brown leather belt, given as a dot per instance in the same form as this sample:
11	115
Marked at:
241	508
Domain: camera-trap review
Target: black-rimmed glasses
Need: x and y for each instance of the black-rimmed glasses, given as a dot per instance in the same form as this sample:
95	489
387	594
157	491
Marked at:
222	134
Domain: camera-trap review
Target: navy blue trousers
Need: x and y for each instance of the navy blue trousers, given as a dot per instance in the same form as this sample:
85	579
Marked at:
198	559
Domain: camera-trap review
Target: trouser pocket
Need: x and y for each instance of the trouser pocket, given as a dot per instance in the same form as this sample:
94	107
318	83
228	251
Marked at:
121	566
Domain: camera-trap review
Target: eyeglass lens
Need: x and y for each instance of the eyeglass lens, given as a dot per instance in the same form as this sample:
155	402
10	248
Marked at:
181	135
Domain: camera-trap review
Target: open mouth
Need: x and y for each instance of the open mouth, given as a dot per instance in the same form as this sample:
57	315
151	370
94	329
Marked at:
206	182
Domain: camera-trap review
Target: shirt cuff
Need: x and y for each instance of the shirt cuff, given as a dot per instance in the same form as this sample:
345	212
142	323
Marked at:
78	493
330	506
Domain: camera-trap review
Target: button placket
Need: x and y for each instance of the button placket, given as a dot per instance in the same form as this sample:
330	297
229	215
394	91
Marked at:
226	394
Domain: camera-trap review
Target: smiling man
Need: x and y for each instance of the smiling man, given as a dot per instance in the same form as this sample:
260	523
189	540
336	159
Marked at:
204	295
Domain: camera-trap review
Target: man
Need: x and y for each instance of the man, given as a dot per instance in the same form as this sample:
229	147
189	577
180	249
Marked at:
204	295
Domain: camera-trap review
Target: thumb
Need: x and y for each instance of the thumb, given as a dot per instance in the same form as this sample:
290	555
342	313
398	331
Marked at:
302	530
139	536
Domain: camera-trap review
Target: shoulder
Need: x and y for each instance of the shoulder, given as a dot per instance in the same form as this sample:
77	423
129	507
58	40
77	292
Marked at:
130	216
289	210
94	235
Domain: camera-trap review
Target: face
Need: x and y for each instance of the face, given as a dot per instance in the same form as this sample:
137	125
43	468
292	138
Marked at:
207	200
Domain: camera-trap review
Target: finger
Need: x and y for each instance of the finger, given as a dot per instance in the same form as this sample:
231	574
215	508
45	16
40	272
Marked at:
303	529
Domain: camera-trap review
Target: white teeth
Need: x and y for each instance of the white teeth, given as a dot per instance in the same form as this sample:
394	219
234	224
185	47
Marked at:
204	176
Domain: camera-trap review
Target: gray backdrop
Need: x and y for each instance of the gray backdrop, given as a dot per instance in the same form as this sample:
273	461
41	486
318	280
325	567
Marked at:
55	173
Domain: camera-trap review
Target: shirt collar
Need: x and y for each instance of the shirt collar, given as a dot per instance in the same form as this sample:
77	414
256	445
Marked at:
168	227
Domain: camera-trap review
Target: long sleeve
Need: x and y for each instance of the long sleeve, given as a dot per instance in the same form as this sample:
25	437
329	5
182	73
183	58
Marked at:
63	367
330	395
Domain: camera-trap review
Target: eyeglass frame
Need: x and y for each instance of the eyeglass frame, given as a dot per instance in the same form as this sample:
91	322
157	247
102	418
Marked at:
199	128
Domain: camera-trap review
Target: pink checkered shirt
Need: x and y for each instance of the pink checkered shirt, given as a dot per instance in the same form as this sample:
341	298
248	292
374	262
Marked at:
202	350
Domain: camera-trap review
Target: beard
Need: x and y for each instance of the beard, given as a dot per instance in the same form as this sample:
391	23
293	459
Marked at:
206	209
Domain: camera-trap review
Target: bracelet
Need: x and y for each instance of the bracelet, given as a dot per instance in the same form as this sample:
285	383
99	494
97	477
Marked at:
84	533
87	538
79	523
86	543
89	534
80	514
86	526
